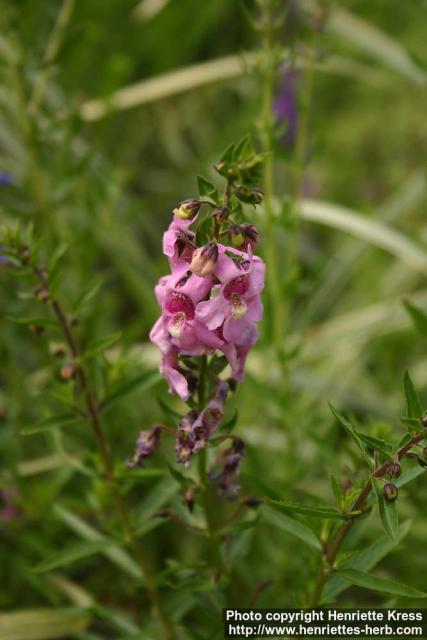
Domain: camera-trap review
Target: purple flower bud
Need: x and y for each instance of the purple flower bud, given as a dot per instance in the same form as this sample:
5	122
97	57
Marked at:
251	196
390	492
221	214
242	235
187	209
205	260
147	443
394	469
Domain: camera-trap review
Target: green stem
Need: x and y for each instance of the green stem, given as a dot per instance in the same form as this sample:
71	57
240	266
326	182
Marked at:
53	46
94	420
204	480
270	229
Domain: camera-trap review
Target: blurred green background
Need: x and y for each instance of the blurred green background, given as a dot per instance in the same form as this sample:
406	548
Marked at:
106	187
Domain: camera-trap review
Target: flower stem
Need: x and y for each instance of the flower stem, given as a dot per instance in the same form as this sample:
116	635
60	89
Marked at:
51	51
204	480
269	223
94	419
330	556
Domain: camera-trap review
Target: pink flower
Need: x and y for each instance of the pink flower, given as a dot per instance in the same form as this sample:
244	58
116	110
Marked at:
178	295
237	304
178	242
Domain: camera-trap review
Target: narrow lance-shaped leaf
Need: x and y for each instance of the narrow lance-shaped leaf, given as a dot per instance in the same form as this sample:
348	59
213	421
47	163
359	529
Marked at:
351	431
414	408
87	294
365	560
292	526
72	554
361	579
336	490
53	422
305	510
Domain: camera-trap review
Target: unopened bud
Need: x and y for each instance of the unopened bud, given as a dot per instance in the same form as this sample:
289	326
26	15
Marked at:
251	501
41	294
24	254
394	469
58	350
242	235
189	499
251	196
187	209
162	513
68	371
221	214
36	329
390	492
424	421
204	260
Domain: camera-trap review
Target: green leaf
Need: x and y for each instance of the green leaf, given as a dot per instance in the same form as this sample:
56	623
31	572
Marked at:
141	382
159	495
42	624
228	154
55	258
377	444
336	490
116	554
361	579
72	554
43	322
170	413
87	294
305	510
292	526
408	476
413	405
244	148
365	560
53	422
207	189
101	344
419	318
349	429
387	511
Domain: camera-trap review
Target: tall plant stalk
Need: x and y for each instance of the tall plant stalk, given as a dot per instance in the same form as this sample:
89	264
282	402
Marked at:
93	416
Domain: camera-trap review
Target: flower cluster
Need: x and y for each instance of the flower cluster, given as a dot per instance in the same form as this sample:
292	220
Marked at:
210	301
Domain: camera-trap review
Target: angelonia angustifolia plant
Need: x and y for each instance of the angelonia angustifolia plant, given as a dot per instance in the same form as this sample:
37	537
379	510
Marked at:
211	304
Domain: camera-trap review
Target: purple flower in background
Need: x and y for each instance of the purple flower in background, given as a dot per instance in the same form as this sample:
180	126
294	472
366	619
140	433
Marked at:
5	179
8	509
286	105
3	259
